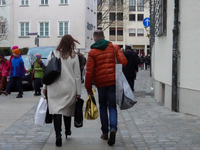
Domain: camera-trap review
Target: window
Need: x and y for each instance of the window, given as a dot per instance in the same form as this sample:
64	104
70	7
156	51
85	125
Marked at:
63	28
131	17
112	2
24	28
44	2
44	29
2	28
99	16
140	5
99	2
2	2
119	2
161	18
140	17
112	16
63	1
112	31
140	32
119	31
119	16
131	5
131	32
24	2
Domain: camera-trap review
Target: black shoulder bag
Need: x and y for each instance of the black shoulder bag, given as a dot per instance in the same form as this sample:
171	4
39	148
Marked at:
52	70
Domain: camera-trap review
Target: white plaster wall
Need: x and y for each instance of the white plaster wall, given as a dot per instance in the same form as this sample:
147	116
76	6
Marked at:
189	45
52	13
163	50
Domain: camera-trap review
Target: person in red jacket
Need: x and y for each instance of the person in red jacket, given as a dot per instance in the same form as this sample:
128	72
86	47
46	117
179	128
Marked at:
4	71
100	70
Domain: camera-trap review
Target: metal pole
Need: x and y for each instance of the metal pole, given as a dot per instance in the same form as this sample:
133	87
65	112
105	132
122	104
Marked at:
175	102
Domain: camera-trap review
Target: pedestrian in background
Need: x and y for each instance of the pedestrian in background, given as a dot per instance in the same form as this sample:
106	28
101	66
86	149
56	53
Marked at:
82	61
4	71
131	67
100	68
63	92
17	72
38	71
146	61
141	62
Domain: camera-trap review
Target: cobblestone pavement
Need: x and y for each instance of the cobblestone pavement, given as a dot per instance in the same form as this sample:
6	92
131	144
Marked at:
146	126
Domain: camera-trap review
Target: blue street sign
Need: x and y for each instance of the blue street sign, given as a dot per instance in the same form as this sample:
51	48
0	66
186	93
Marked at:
146	22
32	33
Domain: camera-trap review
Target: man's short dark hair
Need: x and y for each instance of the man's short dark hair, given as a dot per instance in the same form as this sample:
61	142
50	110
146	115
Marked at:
98	34
128	47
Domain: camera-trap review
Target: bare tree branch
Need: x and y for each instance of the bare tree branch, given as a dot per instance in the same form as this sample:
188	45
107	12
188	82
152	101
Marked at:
3	28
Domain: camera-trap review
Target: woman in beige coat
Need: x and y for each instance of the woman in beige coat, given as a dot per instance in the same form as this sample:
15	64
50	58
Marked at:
63	92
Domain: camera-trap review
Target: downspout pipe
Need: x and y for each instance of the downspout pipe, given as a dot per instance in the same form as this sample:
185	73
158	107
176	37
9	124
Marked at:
175	101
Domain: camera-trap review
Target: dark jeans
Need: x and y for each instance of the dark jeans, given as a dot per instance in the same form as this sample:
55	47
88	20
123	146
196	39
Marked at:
16	82
107	100
37	83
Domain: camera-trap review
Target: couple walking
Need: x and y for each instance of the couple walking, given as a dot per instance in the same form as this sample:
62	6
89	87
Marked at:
100	70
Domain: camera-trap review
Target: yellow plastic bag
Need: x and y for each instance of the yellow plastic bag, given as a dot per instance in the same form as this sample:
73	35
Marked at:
91	111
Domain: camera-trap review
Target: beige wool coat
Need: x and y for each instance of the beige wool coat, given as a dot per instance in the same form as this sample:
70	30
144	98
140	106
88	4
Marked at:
62	93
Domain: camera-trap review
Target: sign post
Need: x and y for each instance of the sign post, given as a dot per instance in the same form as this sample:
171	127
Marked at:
36	38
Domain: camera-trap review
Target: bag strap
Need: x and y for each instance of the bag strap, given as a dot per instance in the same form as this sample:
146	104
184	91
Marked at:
115	55
52	54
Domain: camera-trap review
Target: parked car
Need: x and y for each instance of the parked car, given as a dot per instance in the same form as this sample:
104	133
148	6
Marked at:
44	51
28	61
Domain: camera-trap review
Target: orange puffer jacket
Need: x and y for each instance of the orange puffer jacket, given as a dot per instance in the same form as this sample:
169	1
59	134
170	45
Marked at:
100	67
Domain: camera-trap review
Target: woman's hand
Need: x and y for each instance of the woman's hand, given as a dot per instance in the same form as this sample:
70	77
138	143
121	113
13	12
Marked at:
78	96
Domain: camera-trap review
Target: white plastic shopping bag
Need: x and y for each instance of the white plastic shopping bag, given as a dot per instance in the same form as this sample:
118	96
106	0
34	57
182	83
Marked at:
40	114
124	95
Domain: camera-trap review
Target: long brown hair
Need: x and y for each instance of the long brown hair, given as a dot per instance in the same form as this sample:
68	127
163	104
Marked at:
66	46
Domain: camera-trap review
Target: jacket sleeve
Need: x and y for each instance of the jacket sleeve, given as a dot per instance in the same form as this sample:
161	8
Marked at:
90	66
22	68
77	76
120	56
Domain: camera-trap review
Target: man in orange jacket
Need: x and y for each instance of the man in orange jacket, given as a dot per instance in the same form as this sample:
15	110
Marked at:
100	69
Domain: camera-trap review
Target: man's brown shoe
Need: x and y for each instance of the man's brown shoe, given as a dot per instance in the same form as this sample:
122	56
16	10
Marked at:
104	137
4	92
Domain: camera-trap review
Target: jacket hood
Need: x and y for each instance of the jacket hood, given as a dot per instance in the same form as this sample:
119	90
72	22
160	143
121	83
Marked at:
100	44
128	54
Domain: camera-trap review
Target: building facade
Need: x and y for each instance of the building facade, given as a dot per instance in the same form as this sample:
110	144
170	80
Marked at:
122	21
188	79
49	20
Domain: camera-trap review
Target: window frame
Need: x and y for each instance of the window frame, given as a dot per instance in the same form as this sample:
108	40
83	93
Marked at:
139	17
1	3
132	7
24	28
138	34
132	34
130	17
119	16
111	18
24	2
44	2
65	2
140	5
59	35
44	29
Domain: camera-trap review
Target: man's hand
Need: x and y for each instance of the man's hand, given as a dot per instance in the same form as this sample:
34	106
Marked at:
44	92
78	96
90	92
